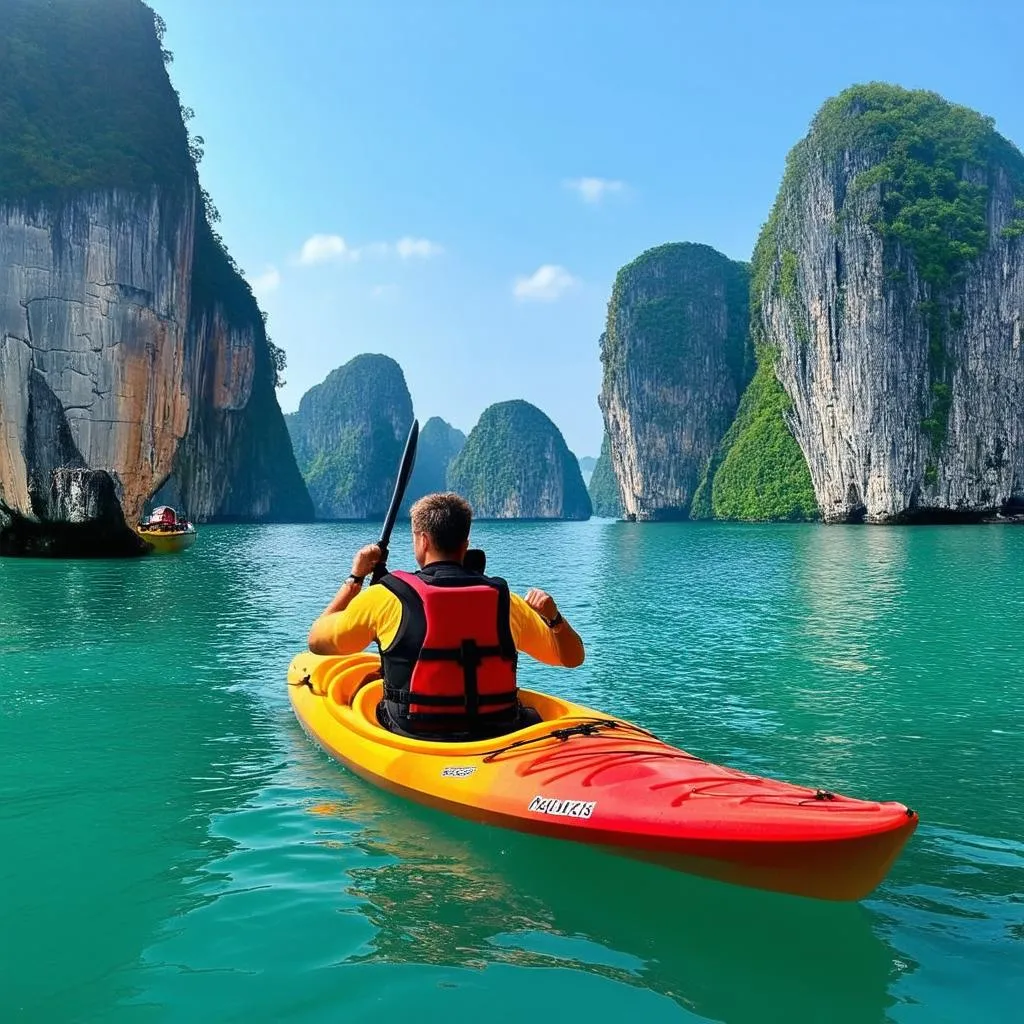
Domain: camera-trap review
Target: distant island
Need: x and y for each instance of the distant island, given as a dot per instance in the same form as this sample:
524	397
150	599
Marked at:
604	486
347	444
516	465
439	444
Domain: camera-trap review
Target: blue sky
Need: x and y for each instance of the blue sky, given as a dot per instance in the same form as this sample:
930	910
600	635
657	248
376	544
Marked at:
455	183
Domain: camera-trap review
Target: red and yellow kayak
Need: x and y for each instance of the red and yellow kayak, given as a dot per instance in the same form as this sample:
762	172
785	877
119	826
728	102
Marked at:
594	778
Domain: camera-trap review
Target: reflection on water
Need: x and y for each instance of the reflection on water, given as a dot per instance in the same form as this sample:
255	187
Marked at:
449	893
165	816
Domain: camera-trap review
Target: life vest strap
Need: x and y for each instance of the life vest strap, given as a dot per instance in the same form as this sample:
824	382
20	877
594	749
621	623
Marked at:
469	652
406	698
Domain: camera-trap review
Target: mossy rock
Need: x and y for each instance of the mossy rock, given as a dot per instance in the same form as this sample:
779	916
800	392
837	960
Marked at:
348	435
516	465
758	472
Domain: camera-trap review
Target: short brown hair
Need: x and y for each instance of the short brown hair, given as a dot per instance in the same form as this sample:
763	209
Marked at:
445	519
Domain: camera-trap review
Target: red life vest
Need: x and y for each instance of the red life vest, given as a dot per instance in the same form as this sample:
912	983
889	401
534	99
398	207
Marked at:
452	664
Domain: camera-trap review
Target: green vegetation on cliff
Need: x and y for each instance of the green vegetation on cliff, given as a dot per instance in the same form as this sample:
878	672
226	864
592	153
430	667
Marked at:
666	322
758	472
516	465
439	444
348	435
927	151
604	487
934	164
86	104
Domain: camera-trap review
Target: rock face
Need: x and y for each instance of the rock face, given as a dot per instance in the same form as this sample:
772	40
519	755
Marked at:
516	465
676	357
235	461
439	444
348	436
889	299
131	352
604	486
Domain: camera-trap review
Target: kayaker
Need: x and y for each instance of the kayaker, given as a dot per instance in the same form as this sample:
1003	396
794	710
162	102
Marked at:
448	636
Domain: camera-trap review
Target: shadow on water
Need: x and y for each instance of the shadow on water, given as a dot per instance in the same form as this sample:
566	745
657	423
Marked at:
122	738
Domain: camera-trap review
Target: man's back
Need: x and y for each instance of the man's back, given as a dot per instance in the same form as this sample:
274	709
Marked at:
448	635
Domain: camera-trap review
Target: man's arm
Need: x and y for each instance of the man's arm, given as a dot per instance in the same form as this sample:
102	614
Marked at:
541	632
333	633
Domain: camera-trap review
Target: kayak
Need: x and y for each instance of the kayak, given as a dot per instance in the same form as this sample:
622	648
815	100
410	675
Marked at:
594	778
168	542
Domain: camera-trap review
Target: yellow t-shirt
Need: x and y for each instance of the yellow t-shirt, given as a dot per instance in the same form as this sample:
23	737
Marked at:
376	613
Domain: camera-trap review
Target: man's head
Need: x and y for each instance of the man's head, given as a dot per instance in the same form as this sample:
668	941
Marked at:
440	528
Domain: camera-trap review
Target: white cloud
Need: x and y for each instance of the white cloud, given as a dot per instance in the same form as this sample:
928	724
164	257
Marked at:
326	248
322	248
594	190
266	282
545	284
422	248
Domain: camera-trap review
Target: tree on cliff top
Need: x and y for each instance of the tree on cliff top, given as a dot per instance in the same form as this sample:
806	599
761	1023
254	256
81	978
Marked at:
86	104
85	101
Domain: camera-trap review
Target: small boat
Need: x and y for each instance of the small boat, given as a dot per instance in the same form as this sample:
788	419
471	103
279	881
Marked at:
166	532
594	778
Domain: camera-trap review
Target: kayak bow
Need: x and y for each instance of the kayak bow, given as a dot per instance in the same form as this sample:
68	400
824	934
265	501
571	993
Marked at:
593	778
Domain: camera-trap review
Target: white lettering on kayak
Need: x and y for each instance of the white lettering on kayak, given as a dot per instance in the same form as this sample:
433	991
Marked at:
456	773
563	808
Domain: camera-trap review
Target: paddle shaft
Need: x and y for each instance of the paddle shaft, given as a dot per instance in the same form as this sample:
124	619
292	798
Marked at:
401	484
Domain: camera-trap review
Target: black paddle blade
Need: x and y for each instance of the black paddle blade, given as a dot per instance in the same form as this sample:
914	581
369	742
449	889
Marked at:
401	483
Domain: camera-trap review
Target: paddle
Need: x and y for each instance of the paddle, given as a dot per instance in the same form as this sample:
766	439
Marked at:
401	483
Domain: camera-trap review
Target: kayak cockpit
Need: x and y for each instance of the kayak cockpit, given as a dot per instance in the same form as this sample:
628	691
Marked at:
352	688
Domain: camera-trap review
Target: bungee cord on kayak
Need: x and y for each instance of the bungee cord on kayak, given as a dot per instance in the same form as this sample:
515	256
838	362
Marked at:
589	728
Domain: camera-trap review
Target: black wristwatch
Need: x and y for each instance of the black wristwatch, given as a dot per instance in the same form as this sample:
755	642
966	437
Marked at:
353	578
556	621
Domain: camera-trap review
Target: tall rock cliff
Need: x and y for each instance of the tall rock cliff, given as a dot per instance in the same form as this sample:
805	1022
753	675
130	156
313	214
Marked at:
439	444
516	465
676	357
235	462
131	351
888	301
348	435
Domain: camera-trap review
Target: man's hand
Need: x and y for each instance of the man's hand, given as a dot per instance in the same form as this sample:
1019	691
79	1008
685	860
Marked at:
543	604
362	565
365	560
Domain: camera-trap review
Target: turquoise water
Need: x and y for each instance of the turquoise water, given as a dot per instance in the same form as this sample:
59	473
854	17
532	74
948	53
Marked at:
173	848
